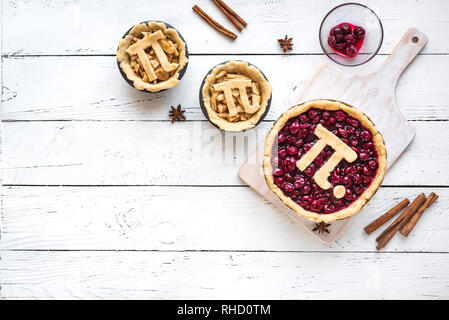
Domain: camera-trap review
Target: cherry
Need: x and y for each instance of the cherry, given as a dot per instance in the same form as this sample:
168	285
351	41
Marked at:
350	39
359	32
339	115
353	122
279	181
350	170
306	189
338	203
294	195
350	130
299	182
346	28
336	30
310	171
299	142
340	38
288	177
331	121
303	118
306	199
291	140
357	178
278	172
372	164
332	41
349	195
340	46
351	50
347	181
326	115
282	153
292	150
353	140
316	195
305	126
337	176
328	208
308	146
367	171
365	135
281	138
316	206
288	187
367	179
363	156
294	127
312	113
319	161
343	133
358	190
357	150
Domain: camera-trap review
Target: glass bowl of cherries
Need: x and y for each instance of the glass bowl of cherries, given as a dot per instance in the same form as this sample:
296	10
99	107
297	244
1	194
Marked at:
351	34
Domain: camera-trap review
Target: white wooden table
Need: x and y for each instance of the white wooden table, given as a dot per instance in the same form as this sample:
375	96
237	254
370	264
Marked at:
103	197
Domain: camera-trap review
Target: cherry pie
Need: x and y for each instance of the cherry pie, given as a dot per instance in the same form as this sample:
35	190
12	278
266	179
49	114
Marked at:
235	96
324	159
152	56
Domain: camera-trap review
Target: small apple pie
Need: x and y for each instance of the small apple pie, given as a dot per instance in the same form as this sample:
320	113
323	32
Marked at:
235	96
152	56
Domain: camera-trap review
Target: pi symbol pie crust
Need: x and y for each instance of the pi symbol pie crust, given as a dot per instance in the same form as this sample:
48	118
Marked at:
324	159
152	56
235	96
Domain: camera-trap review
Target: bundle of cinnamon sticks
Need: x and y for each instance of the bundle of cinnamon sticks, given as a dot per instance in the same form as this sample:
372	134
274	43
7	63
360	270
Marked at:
228	12
405	222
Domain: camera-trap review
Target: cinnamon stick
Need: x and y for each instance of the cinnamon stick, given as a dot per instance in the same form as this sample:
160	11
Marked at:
406	213
228	15
231	12
391	230
386	216
405	230
214	24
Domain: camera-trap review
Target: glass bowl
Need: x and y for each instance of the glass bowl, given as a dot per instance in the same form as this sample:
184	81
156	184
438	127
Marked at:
356	14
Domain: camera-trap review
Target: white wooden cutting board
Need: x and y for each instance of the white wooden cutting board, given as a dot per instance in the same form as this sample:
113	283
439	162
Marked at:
374	93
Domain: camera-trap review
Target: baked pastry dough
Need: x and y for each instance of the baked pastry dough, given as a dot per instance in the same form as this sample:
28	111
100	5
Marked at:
152	56
235	96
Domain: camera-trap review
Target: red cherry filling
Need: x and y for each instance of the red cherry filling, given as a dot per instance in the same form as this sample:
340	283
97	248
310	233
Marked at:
346	39
296	138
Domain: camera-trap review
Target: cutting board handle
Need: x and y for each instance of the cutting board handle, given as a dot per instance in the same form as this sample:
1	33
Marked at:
405	51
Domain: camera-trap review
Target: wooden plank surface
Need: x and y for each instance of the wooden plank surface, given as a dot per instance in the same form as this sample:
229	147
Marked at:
200	218
68	118
93	89
231	275
161	153
78	27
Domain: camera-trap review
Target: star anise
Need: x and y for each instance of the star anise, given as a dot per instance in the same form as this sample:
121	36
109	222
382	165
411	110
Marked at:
321	227
176	114
286	44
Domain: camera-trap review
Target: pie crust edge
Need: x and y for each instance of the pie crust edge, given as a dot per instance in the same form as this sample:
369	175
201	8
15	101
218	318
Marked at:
358	204
124	59
252	72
